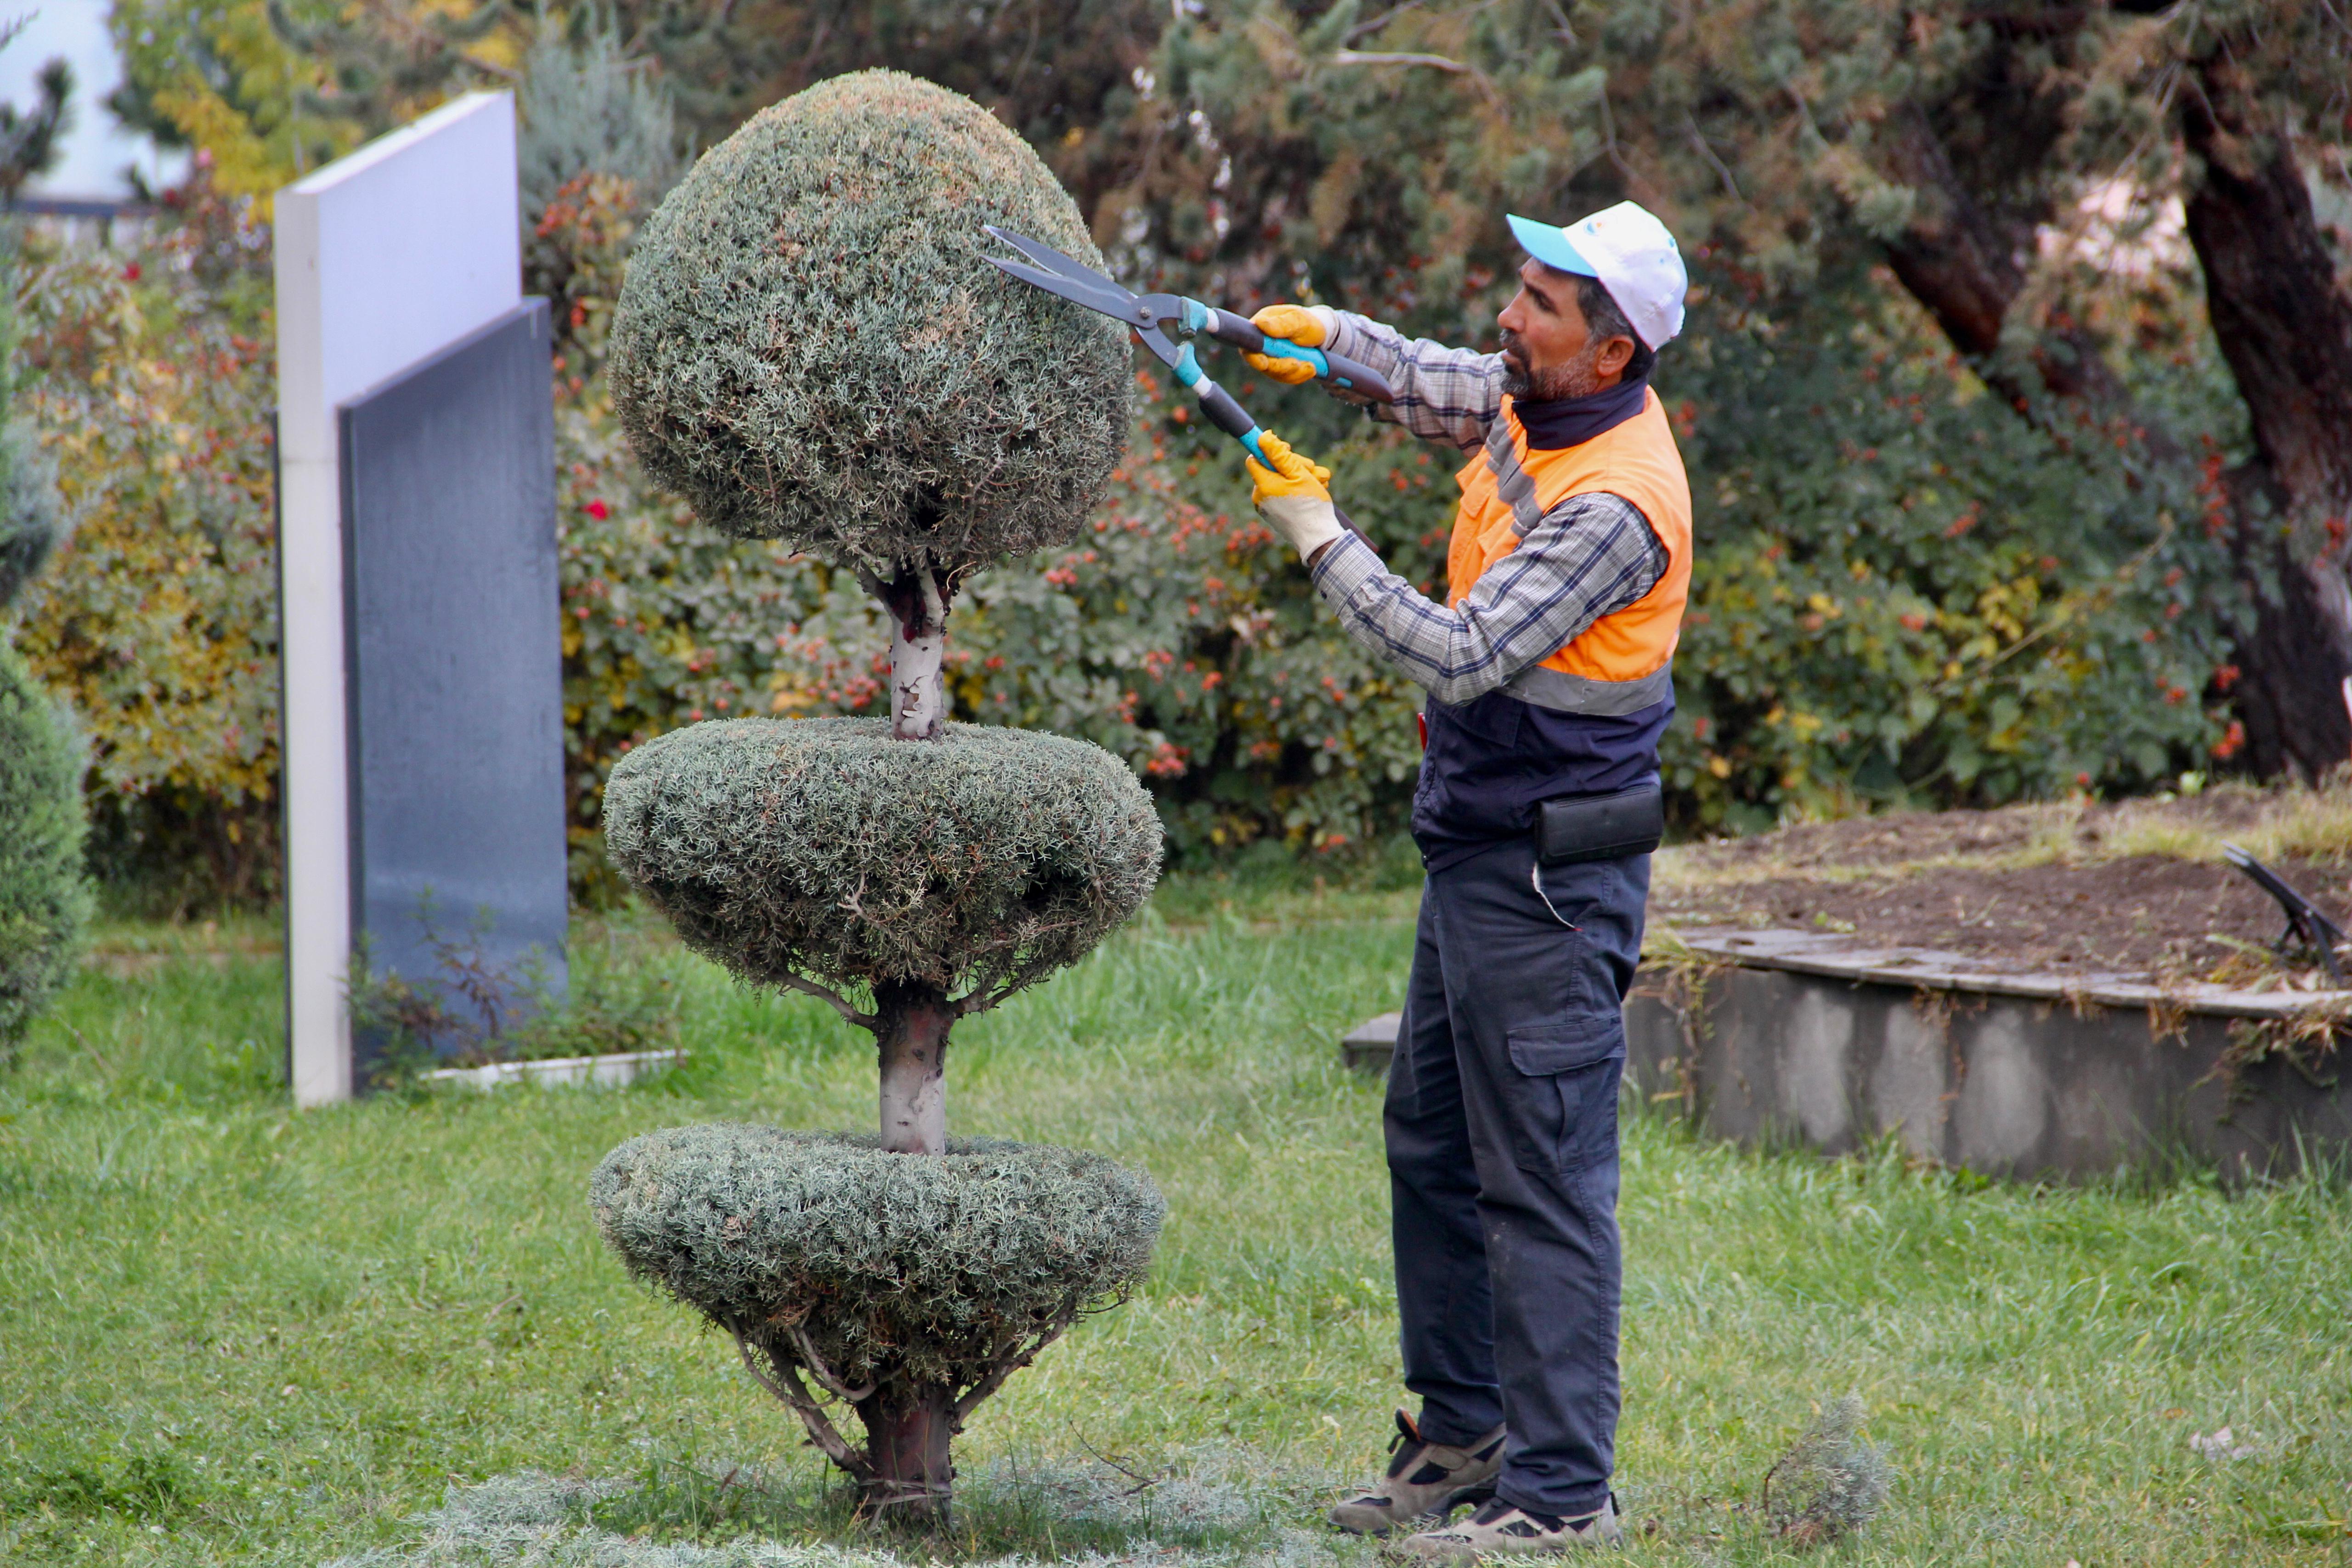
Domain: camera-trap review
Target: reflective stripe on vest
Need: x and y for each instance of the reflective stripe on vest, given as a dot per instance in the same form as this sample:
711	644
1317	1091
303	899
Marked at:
1624	662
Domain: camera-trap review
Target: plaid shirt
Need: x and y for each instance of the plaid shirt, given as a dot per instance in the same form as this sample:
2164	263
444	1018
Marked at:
1590	555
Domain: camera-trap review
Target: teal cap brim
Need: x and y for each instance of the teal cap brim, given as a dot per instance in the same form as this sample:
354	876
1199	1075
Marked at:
1547	243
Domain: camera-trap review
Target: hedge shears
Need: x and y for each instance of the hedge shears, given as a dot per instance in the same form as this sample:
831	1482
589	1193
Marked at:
1154	316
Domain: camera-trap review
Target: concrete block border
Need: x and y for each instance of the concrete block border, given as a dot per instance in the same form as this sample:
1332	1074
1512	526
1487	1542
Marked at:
1823	1040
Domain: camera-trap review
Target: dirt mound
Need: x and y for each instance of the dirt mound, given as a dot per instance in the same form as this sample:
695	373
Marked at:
2136	888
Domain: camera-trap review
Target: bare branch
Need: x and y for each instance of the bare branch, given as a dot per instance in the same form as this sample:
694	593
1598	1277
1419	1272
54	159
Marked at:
1706	151
980	1391
824	1373
832	998
981	1000
1365	29
821	1431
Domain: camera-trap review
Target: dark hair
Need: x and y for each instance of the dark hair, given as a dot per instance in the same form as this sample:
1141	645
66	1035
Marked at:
1605	319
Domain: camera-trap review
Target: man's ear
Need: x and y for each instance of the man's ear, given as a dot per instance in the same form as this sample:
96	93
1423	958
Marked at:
1615	355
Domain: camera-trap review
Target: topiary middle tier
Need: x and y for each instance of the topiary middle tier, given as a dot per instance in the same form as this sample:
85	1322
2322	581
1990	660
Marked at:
820	849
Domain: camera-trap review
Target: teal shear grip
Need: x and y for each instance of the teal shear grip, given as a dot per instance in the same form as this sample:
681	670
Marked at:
1228	328
1218	404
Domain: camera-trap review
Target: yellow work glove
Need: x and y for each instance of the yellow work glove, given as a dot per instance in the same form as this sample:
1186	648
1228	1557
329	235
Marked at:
1291	496
1309	327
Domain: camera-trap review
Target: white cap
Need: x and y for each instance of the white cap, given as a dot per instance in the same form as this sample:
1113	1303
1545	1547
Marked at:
1630	252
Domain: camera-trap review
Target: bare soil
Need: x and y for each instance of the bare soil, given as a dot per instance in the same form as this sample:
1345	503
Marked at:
2052	889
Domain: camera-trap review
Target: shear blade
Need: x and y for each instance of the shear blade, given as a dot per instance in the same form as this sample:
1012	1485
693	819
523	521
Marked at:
1157	341
1056	274
1109	300
1044	256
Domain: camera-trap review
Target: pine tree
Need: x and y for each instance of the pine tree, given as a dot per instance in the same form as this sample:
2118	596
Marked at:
44	895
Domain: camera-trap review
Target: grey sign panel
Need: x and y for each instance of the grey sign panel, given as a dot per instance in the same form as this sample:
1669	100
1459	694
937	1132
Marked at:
453	662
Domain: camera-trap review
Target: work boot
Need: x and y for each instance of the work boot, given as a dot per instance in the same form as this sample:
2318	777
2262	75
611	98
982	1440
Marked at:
1505	1529
1425	1481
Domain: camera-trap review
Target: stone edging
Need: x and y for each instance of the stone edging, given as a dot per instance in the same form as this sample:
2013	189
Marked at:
1841	956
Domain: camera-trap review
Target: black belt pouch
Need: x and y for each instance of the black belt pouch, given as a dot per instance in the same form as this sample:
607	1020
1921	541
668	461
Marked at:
1575	828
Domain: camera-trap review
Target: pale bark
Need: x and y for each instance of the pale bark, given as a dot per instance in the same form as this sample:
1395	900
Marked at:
916	596
911	1032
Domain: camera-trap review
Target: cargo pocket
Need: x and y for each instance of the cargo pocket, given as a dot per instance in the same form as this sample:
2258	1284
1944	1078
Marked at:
1561	1093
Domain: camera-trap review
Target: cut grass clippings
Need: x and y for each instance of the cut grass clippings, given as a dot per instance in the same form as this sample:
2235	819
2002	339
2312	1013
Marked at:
232	1334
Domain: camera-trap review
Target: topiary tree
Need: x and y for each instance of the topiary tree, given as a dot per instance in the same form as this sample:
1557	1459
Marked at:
809	347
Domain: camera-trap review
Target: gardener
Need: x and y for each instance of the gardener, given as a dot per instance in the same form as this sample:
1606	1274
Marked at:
1548	673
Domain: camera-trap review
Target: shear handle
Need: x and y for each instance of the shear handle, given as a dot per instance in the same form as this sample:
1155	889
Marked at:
1227	327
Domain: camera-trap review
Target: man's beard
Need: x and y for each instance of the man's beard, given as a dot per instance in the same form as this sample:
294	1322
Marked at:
1557	383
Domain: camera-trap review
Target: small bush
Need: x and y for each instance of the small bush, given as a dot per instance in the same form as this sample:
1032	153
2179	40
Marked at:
824	849
811	347
43	898
30	523
587	107
927	1269
469	1010
1830	1482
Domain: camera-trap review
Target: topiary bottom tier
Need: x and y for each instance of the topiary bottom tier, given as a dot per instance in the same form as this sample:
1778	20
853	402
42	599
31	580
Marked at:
907	1286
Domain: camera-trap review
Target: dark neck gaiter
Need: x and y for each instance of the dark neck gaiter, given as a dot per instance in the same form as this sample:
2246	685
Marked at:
1571	422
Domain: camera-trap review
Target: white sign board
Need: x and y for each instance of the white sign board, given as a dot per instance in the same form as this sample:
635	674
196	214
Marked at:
384	259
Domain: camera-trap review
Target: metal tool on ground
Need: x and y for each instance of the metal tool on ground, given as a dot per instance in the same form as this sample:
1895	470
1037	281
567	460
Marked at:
1154	316
2306	926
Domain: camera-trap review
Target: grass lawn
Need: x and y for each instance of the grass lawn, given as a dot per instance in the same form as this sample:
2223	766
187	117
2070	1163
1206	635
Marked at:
231	1333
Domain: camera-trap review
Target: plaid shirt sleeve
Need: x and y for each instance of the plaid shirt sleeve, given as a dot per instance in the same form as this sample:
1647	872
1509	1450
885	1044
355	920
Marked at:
1591	555
1443	395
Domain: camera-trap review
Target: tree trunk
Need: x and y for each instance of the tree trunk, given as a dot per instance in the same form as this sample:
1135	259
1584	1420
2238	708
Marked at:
2285	328
908	1429
1961	266
2286	332
917	597
911	1023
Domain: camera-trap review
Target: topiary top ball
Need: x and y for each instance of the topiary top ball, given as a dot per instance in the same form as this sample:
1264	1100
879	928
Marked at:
810	347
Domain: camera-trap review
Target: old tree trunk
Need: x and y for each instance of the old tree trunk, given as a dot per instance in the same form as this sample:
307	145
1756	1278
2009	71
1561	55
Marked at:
2284	325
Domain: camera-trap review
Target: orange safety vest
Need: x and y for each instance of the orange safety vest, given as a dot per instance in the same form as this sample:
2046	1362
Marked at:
1622	662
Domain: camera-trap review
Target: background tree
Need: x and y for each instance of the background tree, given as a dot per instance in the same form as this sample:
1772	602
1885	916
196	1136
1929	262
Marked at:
28	138
147	378
272	89
45	899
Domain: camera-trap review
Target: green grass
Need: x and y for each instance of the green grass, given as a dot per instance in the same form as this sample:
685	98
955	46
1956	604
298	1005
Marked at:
231	1333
